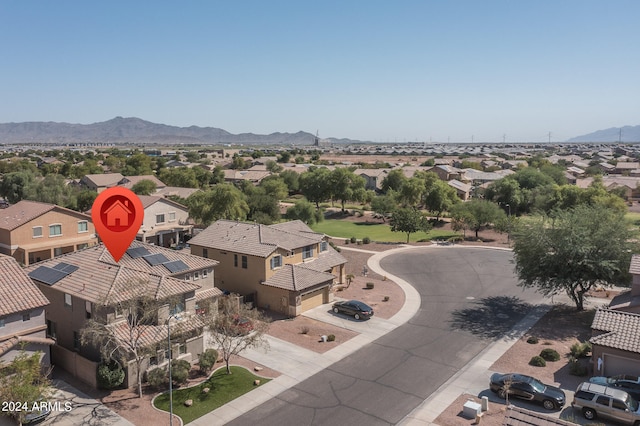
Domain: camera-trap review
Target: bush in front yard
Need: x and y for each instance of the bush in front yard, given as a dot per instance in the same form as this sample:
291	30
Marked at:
180	371
538	361
576	368
157	377
110	376
366	240
550	354
207	360
331	338
532	340
353	240
370	285
580	350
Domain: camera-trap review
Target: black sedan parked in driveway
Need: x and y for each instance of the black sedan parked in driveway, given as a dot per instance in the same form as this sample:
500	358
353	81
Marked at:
358	309
527	387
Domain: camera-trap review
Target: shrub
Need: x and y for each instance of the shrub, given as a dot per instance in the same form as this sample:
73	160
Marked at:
180	370
370	285
335	247
549	354
207	360
304	330
532	340
157	377
366	240
385	299
359	242
110	375
538	361
331	338
580	350
576	368
354	240
346	242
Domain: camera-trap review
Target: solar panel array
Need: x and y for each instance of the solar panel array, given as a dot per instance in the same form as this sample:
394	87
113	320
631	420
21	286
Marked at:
137	252
176	266
155	259
50	276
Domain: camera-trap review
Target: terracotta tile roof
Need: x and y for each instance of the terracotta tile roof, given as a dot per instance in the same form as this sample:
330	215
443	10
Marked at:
516	416
148	200
621	330
176	190
208	293
255	239
22	212
153	334
325	261
129	181
298	278
17	292
99	279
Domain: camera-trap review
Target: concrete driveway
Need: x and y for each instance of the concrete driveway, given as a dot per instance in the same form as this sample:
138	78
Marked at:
468	298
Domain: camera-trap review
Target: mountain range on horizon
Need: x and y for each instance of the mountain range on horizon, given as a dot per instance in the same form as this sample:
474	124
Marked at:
121	130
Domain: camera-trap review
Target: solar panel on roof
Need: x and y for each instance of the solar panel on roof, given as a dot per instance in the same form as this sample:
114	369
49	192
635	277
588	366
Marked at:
47	275
155	259
176	266
66	268
137	252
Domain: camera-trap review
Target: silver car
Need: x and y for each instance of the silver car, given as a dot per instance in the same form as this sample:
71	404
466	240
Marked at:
597	400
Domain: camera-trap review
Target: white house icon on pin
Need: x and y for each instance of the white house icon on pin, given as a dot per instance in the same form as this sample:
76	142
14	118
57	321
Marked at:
118	214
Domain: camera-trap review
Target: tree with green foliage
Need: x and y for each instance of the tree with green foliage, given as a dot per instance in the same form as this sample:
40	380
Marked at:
284	157
411	191
273	167
440	197
275	187
574	251
53	190
14	185
304	211
315	185
138	164
477	214
144	187
393	181
184	177
222	201
263	207
346	186
409	220
238	163
23	380
192	156
384	205
292	180
85	199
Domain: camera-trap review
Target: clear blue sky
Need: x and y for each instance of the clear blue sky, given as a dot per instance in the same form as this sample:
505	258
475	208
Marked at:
369	70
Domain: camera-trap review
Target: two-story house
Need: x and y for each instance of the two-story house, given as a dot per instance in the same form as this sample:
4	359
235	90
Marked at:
286	267
90	284
22	318
165	221
31	231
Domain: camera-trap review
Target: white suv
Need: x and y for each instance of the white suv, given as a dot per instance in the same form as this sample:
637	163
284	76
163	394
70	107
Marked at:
598	400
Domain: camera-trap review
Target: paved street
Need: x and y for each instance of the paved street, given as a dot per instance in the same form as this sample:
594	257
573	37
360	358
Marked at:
468	298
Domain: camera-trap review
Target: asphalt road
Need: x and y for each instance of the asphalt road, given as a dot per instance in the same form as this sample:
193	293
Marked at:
469	298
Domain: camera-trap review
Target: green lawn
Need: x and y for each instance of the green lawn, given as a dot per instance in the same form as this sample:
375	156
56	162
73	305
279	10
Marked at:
223	388
375	231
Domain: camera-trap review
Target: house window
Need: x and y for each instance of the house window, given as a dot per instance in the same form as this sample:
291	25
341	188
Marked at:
307	252
176	307
291	253
153	360
83	246
182	349
172	216
276	262
88	309
204	273
76	341
68	302
118	310
235	260
57	251
26	317
55	230
51	329
187	277
37	232
83	226
205	253
1	322
324	246
196	275
160	218
244	262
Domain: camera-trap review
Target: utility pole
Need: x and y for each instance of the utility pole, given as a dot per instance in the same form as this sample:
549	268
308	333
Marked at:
549	137
471	138
504	137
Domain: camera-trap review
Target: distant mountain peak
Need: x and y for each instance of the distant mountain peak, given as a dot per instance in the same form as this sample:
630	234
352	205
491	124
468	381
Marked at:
613	134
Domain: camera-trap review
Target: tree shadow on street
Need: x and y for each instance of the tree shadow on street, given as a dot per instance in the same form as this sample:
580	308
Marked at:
491	317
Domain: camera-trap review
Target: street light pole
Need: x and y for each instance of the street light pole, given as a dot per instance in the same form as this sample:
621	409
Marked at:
170	380
508	223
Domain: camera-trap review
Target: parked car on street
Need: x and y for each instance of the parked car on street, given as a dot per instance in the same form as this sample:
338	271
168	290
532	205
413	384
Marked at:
629	384
596	400
356	308
528	388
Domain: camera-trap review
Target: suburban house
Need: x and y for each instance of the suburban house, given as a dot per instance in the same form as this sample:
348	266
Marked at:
373	177
100	182
165	221
286	267
629	301
462	189
516	416
90	284
129	181
31	231
615	343
22	318
238	176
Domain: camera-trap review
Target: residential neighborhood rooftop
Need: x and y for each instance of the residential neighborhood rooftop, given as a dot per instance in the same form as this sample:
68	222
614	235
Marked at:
621	329
17	292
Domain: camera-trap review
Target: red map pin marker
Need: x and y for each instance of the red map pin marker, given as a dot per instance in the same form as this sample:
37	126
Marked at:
117	214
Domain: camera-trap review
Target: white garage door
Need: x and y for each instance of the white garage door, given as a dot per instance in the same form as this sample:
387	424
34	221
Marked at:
311	300
615	365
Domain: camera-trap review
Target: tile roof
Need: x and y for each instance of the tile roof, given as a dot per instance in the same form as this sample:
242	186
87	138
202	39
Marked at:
255	239
104	179
621	330
129	181
298	278
17	292
22	212
154	334
325	261
148	200
100	279
176	190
